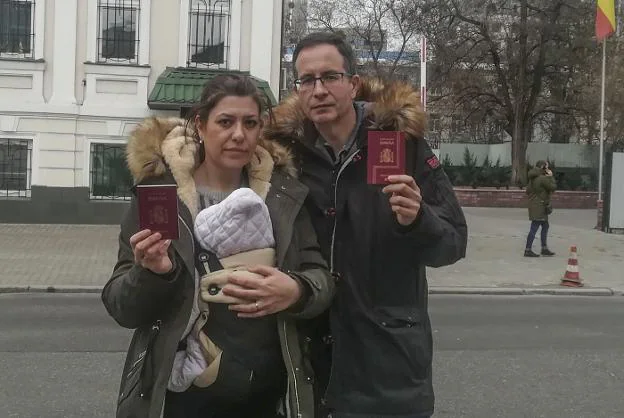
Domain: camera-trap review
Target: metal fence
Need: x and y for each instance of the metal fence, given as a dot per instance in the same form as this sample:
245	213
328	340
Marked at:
109	175
17	28
209	33
118	29
15	168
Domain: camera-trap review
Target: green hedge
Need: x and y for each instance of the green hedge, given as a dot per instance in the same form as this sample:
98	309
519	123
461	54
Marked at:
495	175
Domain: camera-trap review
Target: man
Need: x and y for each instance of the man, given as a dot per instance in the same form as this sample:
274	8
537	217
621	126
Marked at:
377	239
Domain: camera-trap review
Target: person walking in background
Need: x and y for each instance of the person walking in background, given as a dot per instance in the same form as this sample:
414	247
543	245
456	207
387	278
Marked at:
540	187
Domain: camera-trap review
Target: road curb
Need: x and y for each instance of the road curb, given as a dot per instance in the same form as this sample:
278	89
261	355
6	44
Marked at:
523	291
465	290
433	290
51	289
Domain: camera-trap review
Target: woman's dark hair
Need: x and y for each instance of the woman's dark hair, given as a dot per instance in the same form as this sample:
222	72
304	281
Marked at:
225	86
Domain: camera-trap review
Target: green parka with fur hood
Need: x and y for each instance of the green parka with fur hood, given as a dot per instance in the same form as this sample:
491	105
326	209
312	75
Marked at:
539	189
159	307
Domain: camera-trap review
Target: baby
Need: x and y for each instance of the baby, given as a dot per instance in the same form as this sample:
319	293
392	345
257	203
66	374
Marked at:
238	231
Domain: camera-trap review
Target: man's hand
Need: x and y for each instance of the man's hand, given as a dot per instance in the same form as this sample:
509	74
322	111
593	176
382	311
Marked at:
270	292
405	198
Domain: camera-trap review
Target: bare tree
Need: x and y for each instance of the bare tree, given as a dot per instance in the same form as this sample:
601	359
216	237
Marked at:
374	27
574	81
295	23
492	59
518	64
524	64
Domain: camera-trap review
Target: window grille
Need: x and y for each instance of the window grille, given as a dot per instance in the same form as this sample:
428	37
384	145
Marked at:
17	28
109	175
209	33
15	167
118	31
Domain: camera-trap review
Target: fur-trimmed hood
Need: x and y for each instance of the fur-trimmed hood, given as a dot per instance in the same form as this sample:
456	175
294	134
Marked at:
160	143
392	105
535	173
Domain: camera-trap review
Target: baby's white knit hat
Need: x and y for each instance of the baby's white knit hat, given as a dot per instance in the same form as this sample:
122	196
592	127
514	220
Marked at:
240	223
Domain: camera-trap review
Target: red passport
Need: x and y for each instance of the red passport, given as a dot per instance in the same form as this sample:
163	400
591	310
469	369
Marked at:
158	209
386	155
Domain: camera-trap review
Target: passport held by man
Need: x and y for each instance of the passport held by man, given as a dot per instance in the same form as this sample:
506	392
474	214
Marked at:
378	238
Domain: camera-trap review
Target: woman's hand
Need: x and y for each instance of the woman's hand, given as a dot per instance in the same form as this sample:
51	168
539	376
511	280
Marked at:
270	291
150	251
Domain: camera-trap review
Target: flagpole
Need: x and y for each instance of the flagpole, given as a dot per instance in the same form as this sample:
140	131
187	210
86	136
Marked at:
602	112
423	72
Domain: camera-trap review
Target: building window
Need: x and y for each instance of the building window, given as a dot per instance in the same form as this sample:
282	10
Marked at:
435	123
17	28
494	132
109	176
458	125
118	31
15	167
435	131
209	32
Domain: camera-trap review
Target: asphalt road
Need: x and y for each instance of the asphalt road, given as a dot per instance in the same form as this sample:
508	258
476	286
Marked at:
529	357
517	357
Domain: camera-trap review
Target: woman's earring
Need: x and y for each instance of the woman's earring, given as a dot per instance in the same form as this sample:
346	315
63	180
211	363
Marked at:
202	151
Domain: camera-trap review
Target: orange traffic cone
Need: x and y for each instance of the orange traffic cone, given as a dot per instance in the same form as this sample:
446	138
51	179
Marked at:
572	277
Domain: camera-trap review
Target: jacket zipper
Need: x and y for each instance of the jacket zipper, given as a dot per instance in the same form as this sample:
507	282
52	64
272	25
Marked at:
331	259
189	231
333	238
195	286
292	369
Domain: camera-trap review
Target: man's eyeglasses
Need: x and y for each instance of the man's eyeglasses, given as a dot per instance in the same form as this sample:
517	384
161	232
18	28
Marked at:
327	80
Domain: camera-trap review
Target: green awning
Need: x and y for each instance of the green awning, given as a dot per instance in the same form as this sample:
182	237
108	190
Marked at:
180	87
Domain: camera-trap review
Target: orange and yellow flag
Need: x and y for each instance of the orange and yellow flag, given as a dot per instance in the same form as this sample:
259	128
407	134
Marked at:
605	19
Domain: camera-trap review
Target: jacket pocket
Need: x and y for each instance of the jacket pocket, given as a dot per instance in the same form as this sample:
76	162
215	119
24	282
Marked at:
134	381
132	377
407	342
398	317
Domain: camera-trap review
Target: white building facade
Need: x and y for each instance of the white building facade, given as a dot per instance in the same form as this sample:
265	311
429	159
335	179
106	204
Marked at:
76	76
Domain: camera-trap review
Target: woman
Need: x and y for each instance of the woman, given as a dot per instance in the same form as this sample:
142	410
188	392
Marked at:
262	370
539	189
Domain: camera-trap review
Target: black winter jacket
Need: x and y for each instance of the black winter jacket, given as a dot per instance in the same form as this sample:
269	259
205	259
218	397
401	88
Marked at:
380	334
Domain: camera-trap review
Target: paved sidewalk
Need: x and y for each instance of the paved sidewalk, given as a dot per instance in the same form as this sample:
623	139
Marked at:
50	255
496	245
69	256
